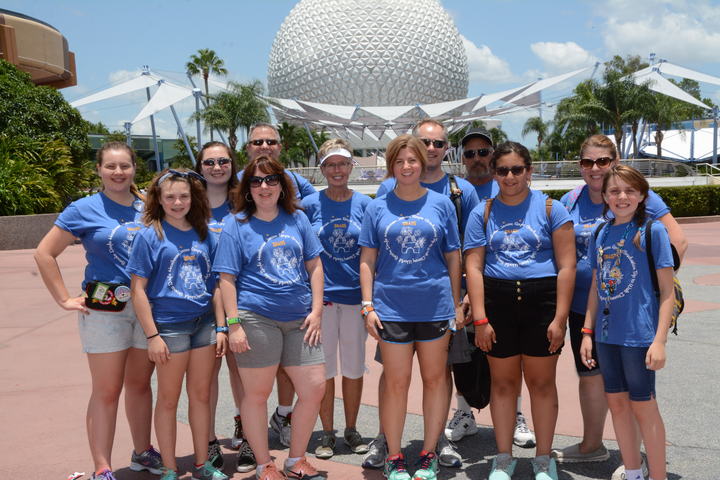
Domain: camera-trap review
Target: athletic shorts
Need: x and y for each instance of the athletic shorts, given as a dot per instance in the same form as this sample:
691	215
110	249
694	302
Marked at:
343	330
189	335
623	370
576	323
108	332
520	312
276	343
410	332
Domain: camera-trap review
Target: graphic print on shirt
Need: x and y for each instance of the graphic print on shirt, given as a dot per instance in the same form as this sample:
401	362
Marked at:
277	260
583	232
515	244
339	239
185	275
410	239
611	273
121	238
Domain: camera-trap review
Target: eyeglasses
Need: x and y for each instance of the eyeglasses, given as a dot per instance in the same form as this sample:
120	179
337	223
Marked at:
434	143
210	162
269	141
270	181
188	174
516	170
480	152
600	162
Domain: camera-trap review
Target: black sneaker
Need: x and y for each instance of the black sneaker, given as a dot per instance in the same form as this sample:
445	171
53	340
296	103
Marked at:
246	458
215	454
237	437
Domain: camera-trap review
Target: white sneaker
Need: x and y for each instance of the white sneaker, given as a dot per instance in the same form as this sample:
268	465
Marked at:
447	454
619	473
523	436
460	426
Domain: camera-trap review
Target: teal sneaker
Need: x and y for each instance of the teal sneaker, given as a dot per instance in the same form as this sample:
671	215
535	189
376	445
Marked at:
208	472
428	466
396	468
503	467
167	474
544	468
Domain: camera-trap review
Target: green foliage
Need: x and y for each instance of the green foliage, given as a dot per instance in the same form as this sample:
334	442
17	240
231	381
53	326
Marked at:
204	63
39	113
297	147
182	160
98	128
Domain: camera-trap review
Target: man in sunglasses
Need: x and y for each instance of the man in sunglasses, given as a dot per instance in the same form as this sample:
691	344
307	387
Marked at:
477	149
264	139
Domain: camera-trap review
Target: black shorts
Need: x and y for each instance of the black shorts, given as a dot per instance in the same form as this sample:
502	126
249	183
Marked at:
576	323
520	312
411	332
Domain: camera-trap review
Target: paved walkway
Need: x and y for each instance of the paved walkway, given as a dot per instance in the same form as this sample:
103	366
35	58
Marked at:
44	387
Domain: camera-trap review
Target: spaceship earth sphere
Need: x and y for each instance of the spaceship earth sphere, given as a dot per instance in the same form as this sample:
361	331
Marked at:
368	52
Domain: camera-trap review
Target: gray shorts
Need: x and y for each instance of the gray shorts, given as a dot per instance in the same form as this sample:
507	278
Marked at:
183	336
273	342
108	332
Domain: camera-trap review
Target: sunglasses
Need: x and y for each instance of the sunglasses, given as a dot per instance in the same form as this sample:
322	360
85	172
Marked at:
600	162
269	141
210	162
480	152
516	170
189	174
434	143
270	180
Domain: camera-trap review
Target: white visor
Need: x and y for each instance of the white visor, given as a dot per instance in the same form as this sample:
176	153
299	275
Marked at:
338	151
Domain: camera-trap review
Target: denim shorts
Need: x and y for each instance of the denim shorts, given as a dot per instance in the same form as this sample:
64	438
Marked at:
183	336
623	370
108	332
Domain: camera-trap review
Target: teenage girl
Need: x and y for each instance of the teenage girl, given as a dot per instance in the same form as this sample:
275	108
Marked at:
629	322
106	224
172	287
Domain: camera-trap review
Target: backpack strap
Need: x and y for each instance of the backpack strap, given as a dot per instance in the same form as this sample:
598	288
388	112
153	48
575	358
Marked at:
486	215
573	197
455	197
548	207
597	231
650	258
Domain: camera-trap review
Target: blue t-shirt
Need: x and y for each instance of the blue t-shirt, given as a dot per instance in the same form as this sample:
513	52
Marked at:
302	186
468	201
411	275
179	272
268	261
337	225
519	237
107	230
586	216
215	224
487	190
633	307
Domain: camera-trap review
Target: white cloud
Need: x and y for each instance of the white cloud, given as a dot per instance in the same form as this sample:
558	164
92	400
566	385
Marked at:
484	65
677	30
562	57
120	76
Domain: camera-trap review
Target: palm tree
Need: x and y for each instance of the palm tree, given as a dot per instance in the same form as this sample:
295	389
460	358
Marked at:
537	126
498	135
206	62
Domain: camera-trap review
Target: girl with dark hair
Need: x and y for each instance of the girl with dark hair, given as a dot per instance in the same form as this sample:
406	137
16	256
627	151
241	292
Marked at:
106	224
173	292
520	265
271	280
626	318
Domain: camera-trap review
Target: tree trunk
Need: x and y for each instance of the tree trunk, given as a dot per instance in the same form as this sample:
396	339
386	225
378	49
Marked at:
634	139
658	141
207	97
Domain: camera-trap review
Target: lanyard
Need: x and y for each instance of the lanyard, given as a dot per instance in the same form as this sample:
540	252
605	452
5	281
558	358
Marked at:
608	285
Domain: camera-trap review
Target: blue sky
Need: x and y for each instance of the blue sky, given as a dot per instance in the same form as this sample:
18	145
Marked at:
508	42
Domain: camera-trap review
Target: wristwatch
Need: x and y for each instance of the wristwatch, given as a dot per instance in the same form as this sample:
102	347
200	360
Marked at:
365	303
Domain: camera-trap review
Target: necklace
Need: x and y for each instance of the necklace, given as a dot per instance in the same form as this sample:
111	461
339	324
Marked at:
610	276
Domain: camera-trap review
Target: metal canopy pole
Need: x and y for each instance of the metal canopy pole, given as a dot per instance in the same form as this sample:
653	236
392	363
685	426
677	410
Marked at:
128	126
146	71
312	140
205	105
182	134
197	93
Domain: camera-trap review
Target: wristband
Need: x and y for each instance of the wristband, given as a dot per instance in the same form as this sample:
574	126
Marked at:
153	336
233	321
481	322
587	331
365	303
221	329
365	311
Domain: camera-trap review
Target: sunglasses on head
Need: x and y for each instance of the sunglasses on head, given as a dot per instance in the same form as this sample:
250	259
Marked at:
434	143
516	170
601	162
189	174
270	180
210	162
480	152
269	141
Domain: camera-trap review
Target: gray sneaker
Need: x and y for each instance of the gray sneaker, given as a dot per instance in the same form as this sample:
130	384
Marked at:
326	449
149	460
619	473
354	441
377	452
447	454
281	425
572	454
523	436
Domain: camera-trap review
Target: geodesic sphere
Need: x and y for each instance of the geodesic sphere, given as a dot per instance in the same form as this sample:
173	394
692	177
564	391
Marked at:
368	52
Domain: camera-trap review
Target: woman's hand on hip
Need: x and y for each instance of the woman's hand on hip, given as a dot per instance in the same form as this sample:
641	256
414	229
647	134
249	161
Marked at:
75	304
